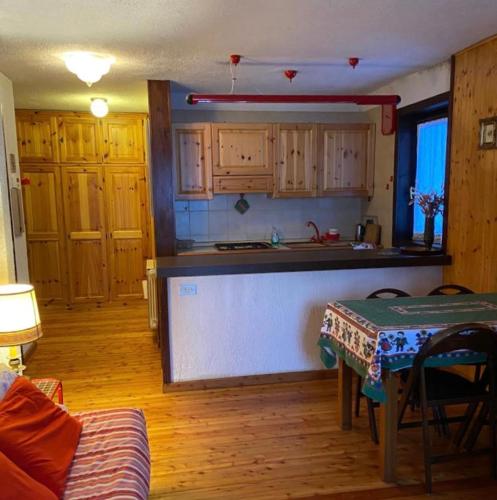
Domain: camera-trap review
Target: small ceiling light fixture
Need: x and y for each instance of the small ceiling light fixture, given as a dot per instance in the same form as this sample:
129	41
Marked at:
290	74
88	66
234	60
99	107
353	62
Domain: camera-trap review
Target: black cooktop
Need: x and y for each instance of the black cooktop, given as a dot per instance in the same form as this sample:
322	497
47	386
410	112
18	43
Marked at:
246	245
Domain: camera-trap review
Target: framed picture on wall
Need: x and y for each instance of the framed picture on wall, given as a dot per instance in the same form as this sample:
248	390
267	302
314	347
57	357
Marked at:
488	133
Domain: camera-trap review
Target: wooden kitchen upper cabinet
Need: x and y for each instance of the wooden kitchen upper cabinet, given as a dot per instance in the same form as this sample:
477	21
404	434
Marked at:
36	136
123	140
79	138
192	158
127	228
225	184
242	149
346	160
45	230
295	160
83	189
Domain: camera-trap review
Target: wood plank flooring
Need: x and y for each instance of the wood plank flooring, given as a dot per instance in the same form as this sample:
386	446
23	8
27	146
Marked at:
262	442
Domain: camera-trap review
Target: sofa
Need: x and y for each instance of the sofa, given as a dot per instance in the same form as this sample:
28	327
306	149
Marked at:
112	459
48	454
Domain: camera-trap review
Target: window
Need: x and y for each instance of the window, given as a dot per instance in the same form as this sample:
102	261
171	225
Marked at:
420	163
431	155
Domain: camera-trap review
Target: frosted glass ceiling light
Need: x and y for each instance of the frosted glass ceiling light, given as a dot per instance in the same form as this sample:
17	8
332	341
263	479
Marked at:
87	66
99	107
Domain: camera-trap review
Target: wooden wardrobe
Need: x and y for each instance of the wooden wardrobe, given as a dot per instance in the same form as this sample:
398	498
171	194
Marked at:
86	204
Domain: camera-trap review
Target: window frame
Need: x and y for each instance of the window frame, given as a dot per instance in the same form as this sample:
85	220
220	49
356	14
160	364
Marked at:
405	165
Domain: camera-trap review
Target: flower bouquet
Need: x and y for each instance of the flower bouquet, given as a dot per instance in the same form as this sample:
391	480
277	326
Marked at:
431	204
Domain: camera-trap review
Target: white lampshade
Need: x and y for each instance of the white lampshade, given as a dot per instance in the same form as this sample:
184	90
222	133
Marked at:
99	107
19	317
87	66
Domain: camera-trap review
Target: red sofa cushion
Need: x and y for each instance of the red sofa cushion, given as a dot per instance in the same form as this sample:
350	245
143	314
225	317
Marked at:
17	484
37	435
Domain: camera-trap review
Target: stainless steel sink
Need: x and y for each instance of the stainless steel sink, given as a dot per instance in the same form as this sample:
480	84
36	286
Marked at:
302	245
314	245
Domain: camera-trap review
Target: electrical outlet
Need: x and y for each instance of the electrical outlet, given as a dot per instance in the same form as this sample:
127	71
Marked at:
187	289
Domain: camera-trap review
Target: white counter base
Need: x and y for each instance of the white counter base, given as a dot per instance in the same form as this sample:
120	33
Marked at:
251	324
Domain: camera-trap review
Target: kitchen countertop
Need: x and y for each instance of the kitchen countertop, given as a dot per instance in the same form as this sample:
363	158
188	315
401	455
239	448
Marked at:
212	250
287	261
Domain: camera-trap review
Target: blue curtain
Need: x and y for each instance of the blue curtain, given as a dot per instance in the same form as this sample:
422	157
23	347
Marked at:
430	168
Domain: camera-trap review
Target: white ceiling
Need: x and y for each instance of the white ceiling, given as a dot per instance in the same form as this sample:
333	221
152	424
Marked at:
188	41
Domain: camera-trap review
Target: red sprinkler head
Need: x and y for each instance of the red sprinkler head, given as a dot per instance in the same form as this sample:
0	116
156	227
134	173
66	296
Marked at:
235	58
290	74
353	61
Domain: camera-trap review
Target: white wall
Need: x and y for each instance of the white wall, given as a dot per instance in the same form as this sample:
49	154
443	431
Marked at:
7	115
217	220
420	85
381	204
267	323
7	248
314	114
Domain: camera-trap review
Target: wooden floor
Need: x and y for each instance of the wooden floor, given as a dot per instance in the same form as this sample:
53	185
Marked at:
262	442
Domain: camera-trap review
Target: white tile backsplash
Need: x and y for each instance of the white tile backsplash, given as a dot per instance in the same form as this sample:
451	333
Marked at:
181	206
218	203
199	224
217	220
199	205
182	225
218	224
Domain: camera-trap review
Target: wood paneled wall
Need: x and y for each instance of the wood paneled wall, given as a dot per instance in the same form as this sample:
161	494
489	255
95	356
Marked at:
472	227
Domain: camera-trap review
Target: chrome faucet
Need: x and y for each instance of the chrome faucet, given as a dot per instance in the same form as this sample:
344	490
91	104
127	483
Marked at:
317	237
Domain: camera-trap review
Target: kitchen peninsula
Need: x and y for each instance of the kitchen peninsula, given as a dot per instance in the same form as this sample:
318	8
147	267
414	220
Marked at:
224	317
235	315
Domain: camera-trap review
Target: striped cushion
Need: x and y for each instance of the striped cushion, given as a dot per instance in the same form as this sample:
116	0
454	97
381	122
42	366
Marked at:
112	459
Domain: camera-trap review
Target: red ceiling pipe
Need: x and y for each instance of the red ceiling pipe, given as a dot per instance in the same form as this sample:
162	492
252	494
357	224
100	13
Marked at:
293	99
388	103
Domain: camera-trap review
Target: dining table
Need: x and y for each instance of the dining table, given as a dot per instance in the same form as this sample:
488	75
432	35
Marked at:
377	338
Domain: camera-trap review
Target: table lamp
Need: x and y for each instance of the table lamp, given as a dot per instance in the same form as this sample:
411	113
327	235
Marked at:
19	319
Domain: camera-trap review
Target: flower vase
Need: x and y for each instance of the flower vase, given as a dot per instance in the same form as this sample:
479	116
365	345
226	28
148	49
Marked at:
429	235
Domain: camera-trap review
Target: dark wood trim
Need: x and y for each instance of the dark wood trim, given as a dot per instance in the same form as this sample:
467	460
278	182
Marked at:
161	173
404	177
289	261
426	106
269	378
161	166
405	161
163	329
449	146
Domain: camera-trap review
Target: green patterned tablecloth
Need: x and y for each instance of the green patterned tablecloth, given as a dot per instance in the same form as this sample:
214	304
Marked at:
376	334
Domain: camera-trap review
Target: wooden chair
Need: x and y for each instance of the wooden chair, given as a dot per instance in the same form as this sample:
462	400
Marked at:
451	290
433	388
382	293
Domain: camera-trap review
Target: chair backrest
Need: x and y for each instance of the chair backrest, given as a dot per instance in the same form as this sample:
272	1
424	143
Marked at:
450	290
390	292
475	337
